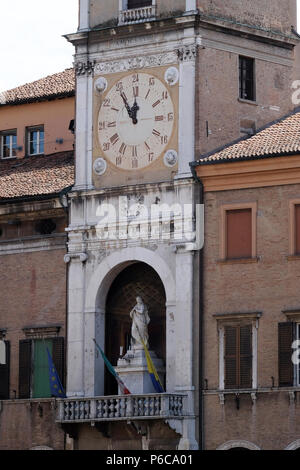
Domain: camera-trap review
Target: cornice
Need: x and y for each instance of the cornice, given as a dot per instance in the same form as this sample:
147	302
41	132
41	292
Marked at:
277	171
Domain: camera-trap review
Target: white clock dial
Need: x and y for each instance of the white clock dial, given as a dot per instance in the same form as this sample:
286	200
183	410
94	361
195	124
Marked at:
136	121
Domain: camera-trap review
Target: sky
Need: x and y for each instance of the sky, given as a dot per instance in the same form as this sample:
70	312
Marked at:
31	42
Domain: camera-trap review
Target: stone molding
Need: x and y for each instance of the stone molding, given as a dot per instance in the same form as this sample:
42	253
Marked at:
75	256
83	68
187	53
139	62
239	443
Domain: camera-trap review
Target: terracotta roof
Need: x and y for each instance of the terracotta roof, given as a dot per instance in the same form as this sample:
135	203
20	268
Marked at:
277	139
36	175
54	86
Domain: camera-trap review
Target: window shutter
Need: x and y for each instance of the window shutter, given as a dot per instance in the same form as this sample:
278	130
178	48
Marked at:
4	375
24	368
246	356
58	357
231	359
239	233
297	229
285	340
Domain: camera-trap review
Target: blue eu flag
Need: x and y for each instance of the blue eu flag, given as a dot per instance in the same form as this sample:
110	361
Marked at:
55	383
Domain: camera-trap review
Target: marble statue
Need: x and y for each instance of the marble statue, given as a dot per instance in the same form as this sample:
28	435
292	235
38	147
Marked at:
140	322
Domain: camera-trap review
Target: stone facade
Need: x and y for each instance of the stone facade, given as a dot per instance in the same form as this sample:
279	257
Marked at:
204	47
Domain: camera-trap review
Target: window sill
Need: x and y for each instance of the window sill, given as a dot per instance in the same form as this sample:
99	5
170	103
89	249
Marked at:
238	261
253	103
293	257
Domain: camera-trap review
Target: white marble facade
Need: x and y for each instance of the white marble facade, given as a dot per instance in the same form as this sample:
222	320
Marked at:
94	262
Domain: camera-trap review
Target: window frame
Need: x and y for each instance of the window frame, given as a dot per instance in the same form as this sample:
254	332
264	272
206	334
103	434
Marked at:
237	319
27	364
29	130
297	366
8	133
253	61
292	226
223	229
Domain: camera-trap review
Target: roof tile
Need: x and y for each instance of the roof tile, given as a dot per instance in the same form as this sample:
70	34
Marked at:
280	138
36	175
58	85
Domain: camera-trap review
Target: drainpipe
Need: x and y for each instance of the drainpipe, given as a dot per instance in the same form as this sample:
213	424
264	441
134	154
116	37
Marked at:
201	320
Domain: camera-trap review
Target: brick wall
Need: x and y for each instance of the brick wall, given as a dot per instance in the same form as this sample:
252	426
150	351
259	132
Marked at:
32	293
269	286
279	17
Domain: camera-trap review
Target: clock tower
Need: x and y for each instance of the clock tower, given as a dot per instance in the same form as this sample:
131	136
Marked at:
150	77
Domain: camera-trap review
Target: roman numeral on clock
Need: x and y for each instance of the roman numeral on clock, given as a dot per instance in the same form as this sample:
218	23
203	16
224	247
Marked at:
134	151
112	124
159	118
155	132
135	91
156	104
114	139
123	148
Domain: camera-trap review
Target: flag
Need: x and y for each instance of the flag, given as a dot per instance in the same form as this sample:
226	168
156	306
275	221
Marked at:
56	387
123	388
151	367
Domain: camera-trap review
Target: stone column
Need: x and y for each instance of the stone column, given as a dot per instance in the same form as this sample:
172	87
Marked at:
190	5
76	296
187	66
84	122
84	15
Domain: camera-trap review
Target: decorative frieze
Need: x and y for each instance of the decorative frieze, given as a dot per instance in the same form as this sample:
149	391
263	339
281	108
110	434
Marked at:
140	62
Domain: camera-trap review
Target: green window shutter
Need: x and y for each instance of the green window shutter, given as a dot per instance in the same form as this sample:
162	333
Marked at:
4	375
58	354
285	352
41	385
24	368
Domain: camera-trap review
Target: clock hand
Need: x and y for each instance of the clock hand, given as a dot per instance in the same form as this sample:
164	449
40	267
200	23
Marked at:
135	108
129	111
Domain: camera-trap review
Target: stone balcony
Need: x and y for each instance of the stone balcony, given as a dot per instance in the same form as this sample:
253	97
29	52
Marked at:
166	406
137	15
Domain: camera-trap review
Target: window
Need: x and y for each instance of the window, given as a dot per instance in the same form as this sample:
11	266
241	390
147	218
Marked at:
8	142
238	350
4	374
238	357
238	227
35	140
289	373
294	228
246	78
138	3
33	366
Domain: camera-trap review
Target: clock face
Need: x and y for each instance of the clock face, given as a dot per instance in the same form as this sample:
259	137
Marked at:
135	121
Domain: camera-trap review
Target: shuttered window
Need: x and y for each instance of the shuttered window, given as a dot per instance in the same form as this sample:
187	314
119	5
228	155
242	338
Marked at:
138	3
4	374
285	352
239	233
33	366
297	229
238	356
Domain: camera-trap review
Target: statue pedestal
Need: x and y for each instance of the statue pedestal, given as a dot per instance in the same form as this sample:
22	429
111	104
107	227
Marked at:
133	370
